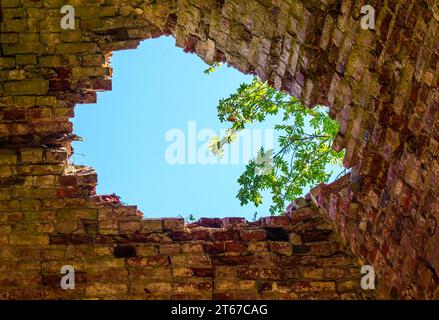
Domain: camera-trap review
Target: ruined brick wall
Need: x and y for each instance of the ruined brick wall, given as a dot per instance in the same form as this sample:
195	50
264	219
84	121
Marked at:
381	85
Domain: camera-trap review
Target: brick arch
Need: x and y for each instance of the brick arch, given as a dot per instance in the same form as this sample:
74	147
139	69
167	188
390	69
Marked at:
382	86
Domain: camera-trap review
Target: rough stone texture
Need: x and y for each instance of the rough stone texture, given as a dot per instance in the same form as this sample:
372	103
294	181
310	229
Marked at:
381	85
117	254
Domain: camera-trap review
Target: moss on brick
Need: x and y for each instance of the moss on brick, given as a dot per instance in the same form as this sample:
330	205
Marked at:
24	87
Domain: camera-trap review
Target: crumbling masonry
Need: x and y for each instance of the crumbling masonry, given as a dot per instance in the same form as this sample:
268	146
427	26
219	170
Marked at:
381	86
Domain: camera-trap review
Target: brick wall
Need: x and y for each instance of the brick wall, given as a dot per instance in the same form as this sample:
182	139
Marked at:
381	85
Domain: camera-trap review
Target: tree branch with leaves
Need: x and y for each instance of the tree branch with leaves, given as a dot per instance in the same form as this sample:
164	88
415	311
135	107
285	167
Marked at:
305	141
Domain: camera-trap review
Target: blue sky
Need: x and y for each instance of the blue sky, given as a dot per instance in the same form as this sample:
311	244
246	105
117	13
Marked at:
159	90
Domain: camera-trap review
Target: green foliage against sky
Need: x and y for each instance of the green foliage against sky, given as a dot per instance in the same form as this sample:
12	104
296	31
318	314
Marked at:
305	139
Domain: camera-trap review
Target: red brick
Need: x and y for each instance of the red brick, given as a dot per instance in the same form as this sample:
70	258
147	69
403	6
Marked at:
253	235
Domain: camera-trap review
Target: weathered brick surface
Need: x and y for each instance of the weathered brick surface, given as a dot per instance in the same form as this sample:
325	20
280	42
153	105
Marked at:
381	86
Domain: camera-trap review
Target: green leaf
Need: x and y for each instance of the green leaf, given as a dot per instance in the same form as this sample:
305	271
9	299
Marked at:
305	139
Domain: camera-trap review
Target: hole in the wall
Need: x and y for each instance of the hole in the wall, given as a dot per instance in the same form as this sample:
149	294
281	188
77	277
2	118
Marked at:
277	234
124	252
158	89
